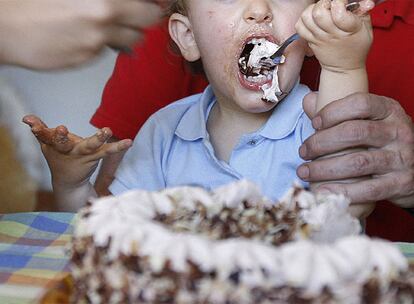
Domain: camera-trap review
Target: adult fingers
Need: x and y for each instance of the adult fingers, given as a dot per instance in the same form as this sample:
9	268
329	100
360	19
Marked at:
350	134
162	3
123	37
351	165
138	14
355	106
309	104
377	188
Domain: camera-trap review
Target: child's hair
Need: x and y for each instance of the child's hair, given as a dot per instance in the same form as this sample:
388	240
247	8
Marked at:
176	6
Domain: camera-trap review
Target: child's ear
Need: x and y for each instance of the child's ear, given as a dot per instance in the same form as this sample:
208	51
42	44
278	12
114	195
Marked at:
182	34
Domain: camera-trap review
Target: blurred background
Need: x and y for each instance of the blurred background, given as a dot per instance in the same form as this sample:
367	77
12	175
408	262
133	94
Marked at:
67	97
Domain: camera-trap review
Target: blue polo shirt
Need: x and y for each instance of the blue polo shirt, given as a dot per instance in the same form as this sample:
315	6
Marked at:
173	149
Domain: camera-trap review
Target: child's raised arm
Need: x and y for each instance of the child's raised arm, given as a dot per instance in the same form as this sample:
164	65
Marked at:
73	159
340	40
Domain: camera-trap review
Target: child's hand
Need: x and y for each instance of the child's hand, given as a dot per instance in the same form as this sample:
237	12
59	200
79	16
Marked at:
73	159
339	38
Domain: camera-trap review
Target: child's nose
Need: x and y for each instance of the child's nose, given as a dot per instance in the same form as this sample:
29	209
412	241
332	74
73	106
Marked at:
258	11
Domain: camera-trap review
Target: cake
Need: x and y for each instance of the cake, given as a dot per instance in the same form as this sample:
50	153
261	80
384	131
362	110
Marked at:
231	245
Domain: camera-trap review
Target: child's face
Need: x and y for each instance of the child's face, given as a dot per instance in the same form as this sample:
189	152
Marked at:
217	32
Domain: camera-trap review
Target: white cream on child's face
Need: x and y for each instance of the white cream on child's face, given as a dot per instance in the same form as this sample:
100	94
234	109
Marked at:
257	67
222	28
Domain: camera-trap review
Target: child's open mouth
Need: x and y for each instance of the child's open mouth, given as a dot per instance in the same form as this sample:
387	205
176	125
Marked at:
257	70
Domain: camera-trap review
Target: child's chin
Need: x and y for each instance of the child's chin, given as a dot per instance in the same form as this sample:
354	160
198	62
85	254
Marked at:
257	105
267	108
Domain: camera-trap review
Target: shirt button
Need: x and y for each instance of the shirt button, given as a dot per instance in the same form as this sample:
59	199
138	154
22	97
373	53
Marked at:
252	142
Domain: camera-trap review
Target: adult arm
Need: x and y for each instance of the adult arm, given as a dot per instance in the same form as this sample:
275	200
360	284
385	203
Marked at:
374	122
49	34
340	41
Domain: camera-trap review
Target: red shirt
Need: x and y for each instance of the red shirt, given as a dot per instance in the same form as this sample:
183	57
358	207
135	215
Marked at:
154	76
391	73
144	82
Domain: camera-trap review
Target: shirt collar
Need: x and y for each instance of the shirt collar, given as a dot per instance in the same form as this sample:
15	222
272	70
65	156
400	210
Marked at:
383	14
285	116
193	124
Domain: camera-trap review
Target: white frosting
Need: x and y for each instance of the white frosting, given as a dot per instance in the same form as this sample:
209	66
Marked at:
232	195
264	49
126	220
272	92
326	214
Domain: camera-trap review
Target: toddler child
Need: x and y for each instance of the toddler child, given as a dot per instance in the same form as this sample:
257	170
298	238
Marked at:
249	122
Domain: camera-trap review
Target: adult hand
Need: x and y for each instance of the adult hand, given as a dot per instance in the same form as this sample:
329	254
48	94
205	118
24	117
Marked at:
376	123
49	34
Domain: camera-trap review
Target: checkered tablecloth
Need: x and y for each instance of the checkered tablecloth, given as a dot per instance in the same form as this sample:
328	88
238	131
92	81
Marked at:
32	254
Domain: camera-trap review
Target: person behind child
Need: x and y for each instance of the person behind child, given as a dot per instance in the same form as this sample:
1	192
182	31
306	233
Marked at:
137	89
228	132
52	34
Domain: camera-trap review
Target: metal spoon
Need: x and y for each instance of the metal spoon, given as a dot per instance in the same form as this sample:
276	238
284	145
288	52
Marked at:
277	56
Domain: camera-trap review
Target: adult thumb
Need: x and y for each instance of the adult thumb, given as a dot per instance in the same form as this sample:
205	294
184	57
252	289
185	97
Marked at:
309	104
